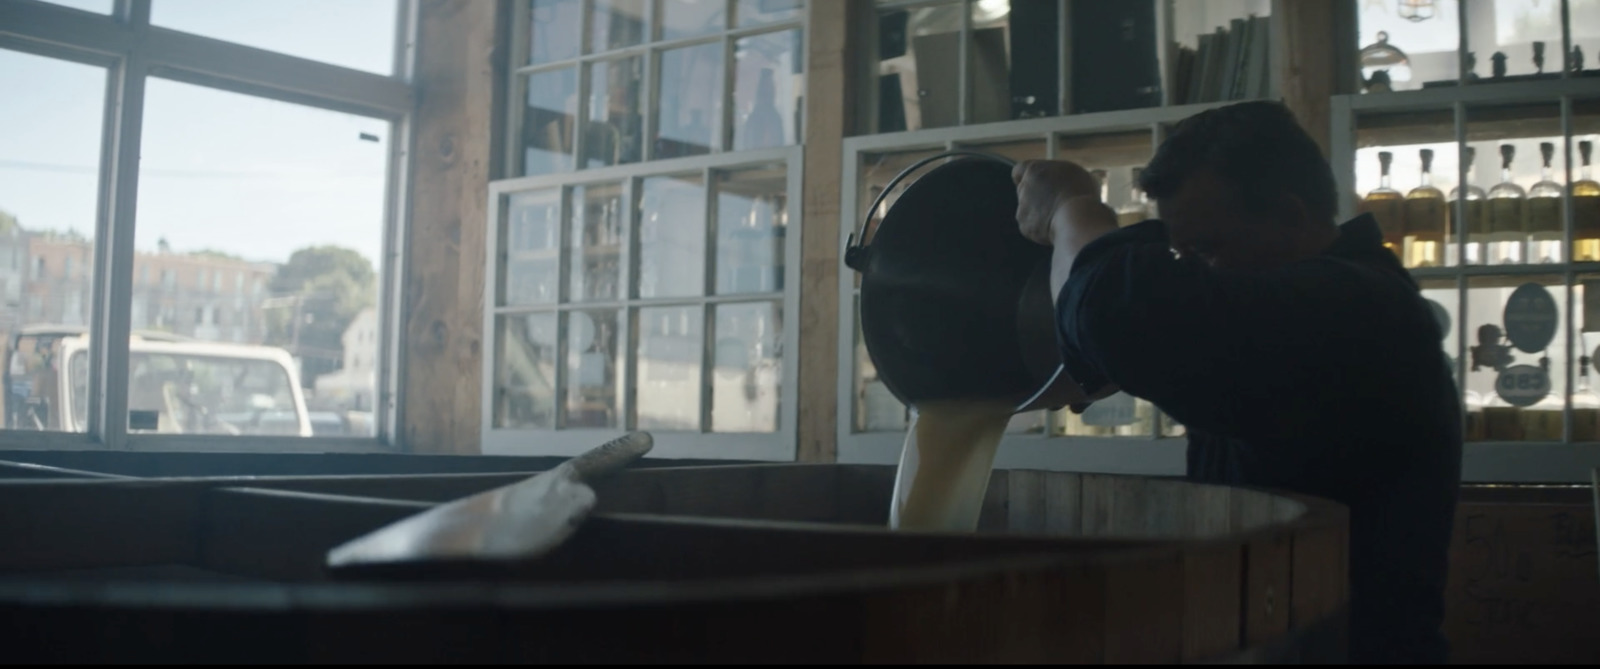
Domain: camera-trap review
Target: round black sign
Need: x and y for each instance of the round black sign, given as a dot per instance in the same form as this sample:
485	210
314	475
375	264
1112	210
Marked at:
1523	385
1531	318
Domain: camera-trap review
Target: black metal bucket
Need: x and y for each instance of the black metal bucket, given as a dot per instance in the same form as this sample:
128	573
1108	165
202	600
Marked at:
955	302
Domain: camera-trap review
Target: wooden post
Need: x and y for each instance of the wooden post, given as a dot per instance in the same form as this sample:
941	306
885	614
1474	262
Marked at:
828	115
1310	52
459	77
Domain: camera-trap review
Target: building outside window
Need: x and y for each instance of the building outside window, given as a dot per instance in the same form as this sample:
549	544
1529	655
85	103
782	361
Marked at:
301	207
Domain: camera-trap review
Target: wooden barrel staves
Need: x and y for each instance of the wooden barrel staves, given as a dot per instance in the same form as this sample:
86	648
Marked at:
757	563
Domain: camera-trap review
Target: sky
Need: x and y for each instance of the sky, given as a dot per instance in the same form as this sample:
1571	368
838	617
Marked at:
222	171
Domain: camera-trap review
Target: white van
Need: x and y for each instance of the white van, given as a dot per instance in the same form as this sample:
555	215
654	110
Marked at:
194	388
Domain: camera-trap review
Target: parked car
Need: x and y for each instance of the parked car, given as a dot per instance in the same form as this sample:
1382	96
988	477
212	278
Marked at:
189	387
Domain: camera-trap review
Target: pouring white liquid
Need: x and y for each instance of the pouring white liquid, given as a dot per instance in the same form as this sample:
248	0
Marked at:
944	467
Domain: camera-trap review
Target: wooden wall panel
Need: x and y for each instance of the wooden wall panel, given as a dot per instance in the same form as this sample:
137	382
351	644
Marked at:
827	117
1308	56
1524	584
459	80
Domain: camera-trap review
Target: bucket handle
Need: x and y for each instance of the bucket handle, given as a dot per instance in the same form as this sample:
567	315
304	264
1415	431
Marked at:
855	254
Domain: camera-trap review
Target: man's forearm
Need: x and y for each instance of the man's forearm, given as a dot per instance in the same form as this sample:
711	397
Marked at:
1076	223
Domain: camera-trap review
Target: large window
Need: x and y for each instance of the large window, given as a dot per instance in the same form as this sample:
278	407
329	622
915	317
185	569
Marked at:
195	217
613	82
645	260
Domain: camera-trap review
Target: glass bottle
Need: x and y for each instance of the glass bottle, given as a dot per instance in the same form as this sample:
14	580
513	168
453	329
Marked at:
1387	205
1425	220
1137	208
1100	178
1544	222
1585	210
1506	201
1476	223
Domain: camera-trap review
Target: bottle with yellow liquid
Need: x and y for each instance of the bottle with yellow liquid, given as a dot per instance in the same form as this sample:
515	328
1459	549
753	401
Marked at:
1475	222
1544	221
1388	206
1425	218
1137	208
1506	200
1585	210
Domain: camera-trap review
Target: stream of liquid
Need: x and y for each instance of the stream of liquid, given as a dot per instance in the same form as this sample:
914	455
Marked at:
944	467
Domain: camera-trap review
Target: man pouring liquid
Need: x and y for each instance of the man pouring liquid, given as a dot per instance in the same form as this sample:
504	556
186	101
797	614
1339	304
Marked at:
1297	352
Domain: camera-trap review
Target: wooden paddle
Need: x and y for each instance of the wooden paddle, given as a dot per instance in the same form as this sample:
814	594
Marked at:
520	521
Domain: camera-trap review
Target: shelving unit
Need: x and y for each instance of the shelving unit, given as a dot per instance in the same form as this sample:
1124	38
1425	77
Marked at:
1546	439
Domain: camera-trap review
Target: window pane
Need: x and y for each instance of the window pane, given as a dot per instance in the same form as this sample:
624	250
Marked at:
747	372
96	6
301	204
1585	397
752	221
876	408
762	12
989	62
691	101
358	34
689	18
547	123
532	252
49	187
616	24
768	85
667	381
556	28
1516	378
918	61
525	373
616	126
1410	52
593	361
1585	24
672	238
1527	32
596	238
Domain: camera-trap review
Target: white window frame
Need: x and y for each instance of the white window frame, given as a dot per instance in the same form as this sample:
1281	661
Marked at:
650	50
769	446
778	446
1147	455
131	50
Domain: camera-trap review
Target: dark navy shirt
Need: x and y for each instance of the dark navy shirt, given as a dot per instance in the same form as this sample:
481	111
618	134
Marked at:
1324	377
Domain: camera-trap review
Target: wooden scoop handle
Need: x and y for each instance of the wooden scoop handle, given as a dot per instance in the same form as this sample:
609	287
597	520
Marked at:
610	456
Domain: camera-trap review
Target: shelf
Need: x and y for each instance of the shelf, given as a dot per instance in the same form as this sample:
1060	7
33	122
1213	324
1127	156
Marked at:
1484	123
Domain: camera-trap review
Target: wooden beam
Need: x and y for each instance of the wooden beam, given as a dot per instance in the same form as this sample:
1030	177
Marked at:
460	60
1307	56
828	115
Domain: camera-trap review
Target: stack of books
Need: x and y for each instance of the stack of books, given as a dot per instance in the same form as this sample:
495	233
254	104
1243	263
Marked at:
1230	64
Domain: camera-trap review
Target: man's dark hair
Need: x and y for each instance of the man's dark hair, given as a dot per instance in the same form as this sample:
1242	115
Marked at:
1257	148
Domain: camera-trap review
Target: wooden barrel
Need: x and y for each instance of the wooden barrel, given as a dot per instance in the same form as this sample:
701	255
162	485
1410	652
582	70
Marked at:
758	563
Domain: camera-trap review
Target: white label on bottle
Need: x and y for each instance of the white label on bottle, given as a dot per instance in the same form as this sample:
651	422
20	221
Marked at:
1523	385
